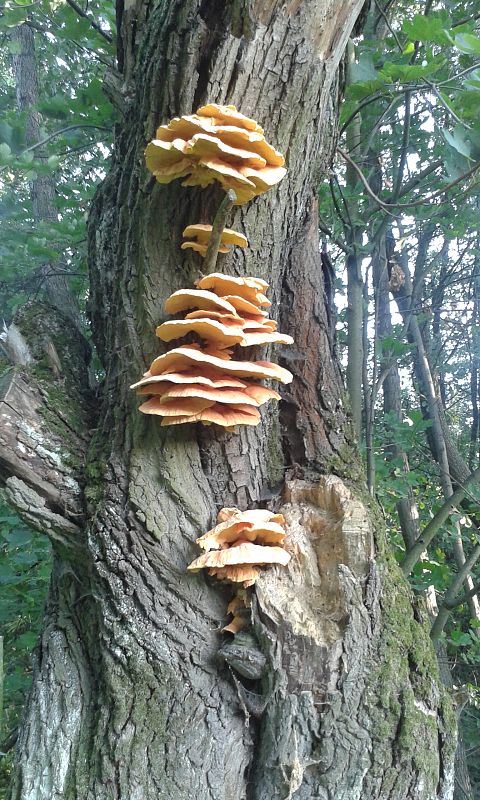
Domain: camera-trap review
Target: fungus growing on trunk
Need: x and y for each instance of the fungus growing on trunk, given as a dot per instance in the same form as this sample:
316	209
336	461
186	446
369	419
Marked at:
240	544
224	312
202	234
209	329
183	358
202	382
218	143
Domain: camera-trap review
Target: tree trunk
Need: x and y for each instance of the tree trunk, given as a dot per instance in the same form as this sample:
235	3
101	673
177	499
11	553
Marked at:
440	438
53	276
355	283
392	396
129	699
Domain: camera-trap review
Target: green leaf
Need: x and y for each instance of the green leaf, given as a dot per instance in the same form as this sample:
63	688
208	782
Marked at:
6	132
5	151
53	162
17	538
457	140
27	156
455	164
409	72
430	28
357	91
363	69
12	17
467	43
458	638
55	107
26	641
394	346
473	81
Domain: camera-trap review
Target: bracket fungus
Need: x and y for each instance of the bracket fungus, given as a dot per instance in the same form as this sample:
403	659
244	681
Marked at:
241	544
239	609
218	143
201	382
202	233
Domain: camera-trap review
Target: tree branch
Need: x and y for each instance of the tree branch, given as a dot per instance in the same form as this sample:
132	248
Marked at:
341	245
92	22
64	130
42	444
387	23
390	206
403	153
451	594
435	524
408	186
359	108
464	598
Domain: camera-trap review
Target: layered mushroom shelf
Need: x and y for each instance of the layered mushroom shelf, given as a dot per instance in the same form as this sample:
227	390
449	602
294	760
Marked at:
218	143
200	381
237	548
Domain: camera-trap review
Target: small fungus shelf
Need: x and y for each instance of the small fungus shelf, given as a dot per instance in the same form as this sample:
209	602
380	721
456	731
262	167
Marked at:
201	234
237	548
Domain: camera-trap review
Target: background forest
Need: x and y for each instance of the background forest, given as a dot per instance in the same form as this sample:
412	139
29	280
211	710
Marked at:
399	216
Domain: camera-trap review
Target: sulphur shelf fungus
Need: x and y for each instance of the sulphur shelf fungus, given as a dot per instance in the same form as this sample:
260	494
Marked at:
239	611
240	545
200	381
218	143
201	234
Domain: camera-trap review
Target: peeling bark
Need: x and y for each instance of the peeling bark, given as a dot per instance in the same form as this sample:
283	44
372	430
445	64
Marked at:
43	404
128	673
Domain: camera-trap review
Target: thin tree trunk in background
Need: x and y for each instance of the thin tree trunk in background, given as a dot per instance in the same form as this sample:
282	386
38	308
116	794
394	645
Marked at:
368	395
406	293
436	348
392	398
409	514
475	362
355	311
129	698
463	787
42	187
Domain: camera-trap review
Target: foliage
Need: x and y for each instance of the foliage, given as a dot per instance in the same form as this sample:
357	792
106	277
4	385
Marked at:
76	120
403	201
24	577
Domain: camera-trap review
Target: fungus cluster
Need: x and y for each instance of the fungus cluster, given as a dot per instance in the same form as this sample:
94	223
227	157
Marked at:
236	549
218	143
201	382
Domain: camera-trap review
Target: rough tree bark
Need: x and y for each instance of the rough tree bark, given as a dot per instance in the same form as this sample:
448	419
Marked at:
129	699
